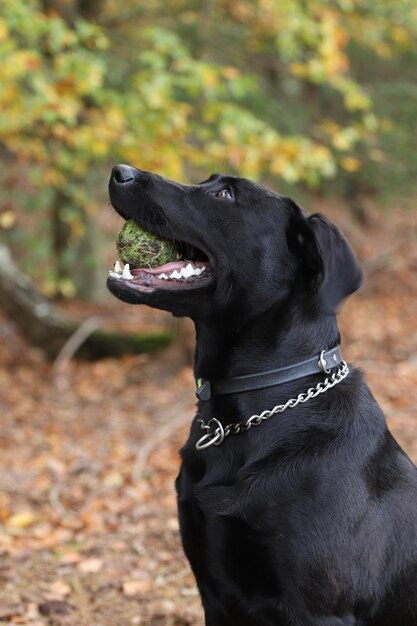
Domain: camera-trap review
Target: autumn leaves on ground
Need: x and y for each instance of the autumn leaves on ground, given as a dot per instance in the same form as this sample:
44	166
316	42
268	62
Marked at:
89	531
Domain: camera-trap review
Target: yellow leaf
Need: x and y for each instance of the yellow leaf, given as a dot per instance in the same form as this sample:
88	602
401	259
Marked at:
231	72
356	100
299	69
114	479
291	150
4	31
400	35
350	164
210	77
21	520
345	139
229	132
7	219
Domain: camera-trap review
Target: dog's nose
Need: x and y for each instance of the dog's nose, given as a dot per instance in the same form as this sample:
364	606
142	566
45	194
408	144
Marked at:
123	174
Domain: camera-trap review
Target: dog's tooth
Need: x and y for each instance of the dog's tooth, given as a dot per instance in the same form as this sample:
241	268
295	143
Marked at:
198	271
175	274
164	276
186	271
190	270
118	267
126	272
114	274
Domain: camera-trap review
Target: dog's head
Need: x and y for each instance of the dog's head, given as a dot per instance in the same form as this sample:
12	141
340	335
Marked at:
243	248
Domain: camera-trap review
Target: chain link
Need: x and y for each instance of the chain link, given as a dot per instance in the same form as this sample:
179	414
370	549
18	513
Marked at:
216	433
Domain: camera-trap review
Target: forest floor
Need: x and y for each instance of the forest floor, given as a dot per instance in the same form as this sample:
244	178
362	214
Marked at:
88	455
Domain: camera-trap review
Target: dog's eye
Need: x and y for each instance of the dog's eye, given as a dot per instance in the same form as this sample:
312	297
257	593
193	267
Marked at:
224	193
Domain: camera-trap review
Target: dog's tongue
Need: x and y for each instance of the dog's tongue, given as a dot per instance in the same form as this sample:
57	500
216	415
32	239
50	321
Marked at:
173	266
142	249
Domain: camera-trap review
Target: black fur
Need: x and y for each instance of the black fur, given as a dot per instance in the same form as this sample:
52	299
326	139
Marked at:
309	519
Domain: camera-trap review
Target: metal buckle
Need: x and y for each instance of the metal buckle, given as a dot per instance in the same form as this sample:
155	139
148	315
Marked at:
212	437
322	363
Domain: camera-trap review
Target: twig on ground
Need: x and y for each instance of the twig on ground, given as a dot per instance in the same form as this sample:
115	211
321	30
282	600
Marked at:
164	432
16	493
69	348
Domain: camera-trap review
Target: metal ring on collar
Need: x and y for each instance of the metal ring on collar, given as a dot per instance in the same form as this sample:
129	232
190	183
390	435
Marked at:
211	438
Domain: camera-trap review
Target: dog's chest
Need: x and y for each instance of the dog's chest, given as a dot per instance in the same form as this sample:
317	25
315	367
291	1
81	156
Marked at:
227	555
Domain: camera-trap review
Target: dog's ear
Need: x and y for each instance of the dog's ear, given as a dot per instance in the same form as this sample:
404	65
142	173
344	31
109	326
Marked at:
327	256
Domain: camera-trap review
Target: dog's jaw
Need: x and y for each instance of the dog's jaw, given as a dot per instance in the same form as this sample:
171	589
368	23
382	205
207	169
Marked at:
173	276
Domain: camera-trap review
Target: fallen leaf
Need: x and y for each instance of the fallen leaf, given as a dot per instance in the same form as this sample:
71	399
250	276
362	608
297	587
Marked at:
19	521
59	589
133	587
91	566
70	558
114	479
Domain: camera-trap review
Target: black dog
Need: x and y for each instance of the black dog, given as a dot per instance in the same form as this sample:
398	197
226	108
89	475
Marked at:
306	515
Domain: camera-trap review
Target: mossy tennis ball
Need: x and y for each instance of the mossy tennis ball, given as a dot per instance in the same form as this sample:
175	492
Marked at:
142	249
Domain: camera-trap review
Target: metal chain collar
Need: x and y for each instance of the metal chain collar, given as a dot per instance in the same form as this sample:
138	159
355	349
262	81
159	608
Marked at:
216	433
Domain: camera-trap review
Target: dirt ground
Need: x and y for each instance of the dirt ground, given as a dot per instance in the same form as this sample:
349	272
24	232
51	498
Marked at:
89	533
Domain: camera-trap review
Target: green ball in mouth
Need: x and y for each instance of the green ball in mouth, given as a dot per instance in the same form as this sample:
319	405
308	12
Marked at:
142	249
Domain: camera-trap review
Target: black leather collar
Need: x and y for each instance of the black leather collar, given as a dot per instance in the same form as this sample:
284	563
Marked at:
324	362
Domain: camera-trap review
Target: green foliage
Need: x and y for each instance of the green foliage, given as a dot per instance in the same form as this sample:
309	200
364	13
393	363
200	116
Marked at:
273	88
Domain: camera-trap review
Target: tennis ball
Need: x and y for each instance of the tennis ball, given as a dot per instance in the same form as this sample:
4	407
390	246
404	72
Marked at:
142	249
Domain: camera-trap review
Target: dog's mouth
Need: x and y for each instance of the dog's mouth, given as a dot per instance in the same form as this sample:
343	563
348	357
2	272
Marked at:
192	269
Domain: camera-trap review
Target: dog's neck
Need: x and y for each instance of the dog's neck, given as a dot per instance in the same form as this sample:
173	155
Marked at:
277	338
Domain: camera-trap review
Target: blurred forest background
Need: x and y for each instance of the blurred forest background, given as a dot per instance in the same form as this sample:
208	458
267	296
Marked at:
316	99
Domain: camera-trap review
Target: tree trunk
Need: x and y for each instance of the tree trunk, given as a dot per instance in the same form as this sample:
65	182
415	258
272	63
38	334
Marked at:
86	271
44	325
60	237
